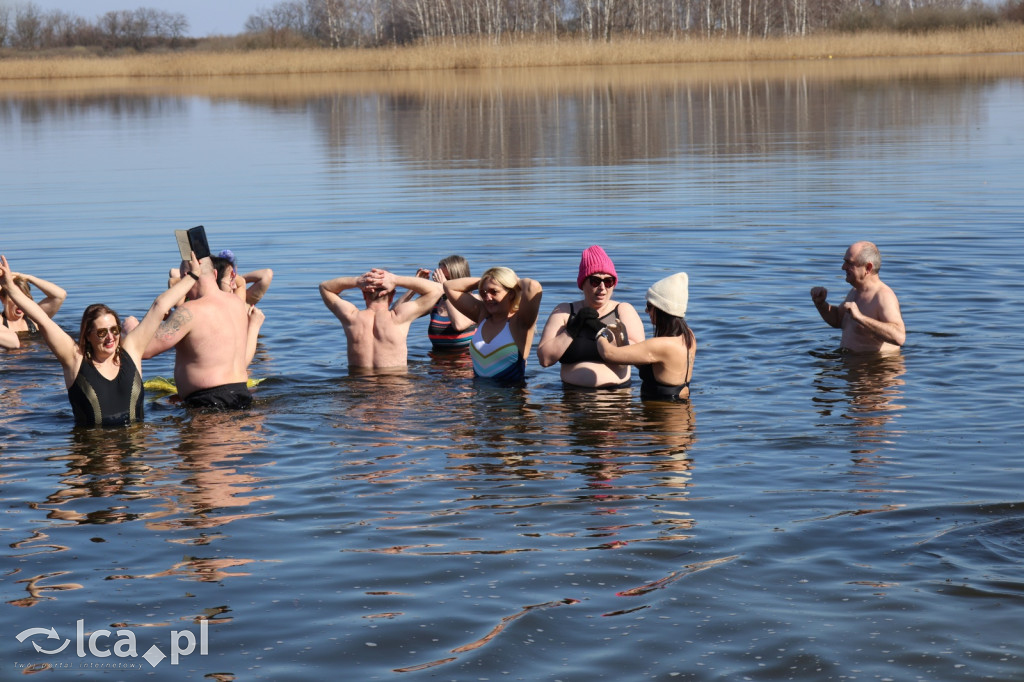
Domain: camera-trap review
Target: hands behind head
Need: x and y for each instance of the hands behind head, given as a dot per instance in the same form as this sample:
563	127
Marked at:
376	280
584	318
423	273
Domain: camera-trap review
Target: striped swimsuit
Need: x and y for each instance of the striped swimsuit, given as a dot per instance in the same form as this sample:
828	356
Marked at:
440	331
498	359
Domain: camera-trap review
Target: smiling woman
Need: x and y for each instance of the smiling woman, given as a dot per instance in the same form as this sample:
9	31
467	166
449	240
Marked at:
507	314
103	371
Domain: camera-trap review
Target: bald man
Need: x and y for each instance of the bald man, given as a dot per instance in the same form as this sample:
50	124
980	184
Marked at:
870	315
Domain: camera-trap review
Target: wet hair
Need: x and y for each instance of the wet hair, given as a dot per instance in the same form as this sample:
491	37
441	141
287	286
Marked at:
457	266
869	254
88	318
670	325
508	279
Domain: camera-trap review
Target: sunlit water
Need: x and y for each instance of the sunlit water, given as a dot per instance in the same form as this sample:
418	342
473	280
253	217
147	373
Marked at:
807	516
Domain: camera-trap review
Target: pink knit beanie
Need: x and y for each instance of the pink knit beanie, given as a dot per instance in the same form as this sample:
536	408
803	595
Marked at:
595	260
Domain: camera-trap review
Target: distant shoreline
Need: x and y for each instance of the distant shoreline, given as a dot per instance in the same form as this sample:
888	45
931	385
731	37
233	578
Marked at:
515	54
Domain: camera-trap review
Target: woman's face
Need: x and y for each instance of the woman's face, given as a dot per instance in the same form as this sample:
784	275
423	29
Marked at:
104	334
598	289
495	297
11	311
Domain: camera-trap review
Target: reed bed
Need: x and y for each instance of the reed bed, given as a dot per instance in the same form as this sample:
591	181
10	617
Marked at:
468	55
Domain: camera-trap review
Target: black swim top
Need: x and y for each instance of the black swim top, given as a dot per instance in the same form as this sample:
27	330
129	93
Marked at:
98	401
584	347
652	389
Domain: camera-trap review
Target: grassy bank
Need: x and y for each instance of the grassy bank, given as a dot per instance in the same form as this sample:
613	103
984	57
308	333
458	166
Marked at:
197	64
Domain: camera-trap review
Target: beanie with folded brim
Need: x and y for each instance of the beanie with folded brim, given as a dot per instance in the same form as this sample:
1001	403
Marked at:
670	294
593	261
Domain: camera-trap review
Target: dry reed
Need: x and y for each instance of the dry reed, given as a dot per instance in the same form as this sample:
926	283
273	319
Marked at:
486	55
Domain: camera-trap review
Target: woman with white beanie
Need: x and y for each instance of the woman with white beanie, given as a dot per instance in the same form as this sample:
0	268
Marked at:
665	362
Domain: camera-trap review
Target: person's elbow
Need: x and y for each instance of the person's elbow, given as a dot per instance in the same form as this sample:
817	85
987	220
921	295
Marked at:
545	356
900	337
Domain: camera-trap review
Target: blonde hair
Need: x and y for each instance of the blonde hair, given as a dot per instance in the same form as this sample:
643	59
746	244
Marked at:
456	265
507	278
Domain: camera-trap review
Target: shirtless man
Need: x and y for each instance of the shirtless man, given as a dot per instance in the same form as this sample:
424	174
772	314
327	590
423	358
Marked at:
870	316
213	334
377	335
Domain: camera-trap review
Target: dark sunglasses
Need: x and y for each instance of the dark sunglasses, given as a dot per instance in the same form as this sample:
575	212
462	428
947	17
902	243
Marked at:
595	281
102	333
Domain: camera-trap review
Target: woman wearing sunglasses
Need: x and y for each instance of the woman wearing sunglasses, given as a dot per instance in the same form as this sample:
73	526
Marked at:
103	371
664	363
569	336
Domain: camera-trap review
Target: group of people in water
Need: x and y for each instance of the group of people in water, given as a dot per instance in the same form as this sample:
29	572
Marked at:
208	314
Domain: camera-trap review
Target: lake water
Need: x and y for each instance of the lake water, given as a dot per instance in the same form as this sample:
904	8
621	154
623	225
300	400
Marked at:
808	516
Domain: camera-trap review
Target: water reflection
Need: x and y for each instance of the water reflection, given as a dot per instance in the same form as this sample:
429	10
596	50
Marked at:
865	390
595	116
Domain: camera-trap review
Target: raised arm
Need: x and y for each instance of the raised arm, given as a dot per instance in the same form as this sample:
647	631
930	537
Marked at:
256	284
53	295
429	293
342	309
529	304
137	341
409	295
833	315
460	294
458	321
62	345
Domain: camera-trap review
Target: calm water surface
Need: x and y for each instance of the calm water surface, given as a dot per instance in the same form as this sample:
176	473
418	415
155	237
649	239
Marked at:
807	516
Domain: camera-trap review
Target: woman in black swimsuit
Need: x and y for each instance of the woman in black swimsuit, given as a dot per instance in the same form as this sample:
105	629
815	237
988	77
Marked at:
664	363
570	332
103	371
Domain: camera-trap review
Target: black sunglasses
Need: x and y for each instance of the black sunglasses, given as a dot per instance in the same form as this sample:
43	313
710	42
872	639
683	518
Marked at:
595	281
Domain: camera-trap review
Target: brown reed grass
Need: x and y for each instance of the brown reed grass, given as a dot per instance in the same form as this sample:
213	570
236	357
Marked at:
523	53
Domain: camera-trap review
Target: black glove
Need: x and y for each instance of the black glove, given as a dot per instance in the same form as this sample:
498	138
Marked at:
586	318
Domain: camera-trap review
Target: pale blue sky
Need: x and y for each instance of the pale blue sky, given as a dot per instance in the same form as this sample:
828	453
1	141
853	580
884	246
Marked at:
205	17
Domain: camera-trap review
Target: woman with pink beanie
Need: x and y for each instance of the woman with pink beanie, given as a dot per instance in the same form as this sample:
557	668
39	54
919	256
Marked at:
570	334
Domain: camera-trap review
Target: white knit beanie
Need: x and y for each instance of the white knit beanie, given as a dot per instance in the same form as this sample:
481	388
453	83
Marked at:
670	294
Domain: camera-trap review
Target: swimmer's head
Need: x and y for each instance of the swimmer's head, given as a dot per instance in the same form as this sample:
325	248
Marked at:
11	310
506	279
455	267
86	331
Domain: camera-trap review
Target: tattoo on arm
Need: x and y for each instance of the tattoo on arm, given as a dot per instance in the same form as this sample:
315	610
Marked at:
173	324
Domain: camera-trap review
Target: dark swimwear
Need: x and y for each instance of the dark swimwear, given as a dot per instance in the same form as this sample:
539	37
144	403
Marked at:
652	389
584	347
225	397
98	401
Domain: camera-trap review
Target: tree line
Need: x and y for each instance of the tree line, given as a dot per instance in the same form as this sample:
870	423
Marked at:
355	23
370	23
26	27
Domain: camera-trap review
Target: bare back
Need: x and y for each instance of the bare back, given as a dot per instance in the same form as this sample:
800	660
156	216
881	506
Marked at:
376	339
213	352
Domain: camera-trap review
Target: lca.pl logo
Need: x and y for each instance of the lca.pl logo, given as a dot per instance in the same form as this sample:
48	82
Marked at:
183	643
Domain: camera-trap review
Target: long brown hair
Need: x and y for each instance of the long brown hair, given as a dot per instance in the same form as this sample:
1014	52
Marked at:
88	317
